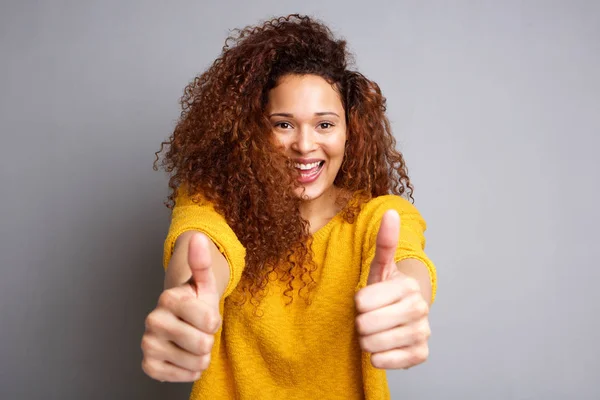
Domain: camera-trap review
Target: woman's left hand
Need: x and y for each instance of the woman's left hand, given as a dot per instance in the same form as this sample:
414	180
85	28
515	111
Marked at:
392	320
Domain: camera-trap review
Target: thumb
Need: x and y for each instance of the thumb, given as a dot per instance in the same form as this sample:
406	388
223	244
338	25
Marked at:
200	262
385	247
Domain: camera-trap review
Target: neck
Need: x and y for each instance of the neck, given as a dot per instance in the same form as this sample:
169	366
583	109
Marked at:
321	210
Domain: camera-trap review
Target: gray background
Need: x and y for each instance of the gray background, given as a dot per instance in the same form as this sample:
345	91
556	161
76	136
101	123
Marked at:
495	104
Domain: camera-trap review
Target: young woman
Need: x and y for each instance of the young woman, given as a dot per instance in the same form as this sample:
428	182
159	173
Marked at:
295	265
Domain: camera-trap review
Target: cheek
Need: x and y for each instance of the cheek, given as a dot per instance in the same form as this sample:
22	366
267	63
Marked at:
281	142
338	147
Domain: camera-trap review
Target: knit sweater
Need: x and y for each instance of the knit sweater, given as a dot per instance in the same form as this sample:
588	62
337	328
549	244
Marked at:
300	350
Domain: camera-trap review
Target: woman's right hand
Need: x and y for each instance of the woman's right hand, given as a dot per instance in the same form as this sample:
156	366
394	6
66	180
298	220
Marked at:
179	333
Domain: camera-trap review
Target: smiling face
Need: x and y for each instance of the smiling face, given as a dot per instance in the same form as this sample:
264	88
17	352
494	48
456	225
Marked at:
308	119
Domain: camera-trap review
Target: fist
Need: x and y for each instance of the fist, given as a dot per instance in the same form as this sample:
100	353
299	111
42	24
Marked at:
392	315
179	333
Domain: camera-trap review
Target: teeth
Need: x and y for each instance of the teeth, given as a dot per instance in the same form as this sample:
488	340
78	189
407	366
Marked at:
306	166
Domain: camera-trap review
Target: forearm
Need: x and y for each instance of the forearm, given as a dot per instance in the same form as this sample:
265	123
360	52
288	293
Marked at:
417	270
178	271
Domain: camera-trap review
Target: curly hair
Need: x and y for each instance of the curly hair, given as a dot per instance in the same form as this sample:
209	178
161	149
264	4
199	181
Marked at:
222	147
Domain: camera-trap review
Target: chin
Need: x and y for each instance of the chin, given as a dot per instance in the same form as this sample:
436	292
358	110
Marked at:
309	193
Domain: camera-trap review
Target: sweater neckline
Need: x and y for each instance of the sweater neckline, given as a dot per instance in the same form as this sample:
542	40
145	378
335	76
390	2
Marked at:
323	231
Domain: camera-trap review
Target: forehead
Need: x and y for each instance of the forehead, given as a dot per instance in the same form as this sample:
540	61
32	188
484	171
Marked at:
310	93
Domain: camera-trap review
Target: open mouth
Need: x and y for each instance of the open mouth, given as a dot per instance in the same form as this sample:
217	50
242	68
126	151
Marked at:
310	171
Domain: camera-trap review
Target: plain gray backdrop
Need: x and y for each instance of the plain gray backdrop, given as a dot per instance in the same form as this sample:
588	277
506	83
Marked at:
496	106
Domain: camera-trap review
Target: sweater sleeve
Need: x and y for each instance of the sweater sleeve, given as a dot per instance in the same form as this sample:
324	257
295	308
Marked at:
411	243
201	216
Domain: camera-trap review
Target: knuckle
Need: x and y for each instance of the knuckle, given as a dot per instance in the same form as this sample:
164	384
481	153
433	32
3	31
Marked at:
207	322
194	376
218	321
419	355
153	321
204	362
421	308
359	300
427	330
365	344
167	299
421	334
207	343
204	344
212	321
361	324
150	368
147	344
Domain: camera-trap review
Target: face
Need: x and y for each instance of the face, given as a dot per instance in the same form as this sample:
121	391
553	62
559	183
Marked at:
308	119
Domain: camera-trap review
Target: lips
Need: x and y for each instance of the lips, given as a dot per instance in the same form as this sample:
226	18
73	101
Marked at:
309	170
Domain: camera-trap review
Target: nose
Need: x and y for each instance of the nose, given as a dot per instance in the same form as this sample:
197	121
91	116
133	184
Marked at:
304	141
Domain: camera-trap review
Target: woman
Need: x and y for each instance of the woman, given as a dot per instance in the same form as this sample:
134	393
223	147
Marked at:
294	268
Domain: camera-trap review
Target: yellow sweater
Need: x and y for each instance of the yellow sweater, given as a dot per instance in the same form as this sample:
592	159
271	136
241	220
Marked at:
299	351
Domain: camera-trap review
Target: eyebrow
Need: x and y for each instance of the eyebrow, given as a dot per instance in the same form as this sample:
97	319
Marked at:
288	115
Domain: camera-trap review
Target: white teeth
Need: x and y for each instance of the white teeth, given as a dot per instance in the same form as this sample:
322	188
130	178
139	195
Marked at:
306	166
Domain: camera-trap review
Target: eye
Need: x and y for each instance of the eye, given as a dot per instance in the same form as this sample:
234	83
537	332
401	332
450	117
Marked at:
325	125
283	125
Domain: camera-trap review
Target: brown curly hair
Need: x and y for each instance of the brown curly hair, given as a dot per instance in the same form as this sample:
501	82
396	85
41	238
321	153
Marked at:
222	146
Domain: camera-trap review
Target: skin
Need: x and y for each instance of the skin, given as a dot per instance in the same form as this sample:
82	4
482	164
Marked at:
308	120
307	116
392	310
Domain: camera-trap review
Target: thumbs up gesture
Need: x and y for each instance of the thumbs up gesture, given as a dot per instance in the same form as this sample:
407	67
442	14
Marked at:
392	320
179	332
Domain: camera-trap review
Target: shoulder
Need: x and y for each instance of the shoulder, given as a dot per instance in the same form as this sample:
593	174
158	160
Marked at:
193	211
371	213
183	197
377	206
